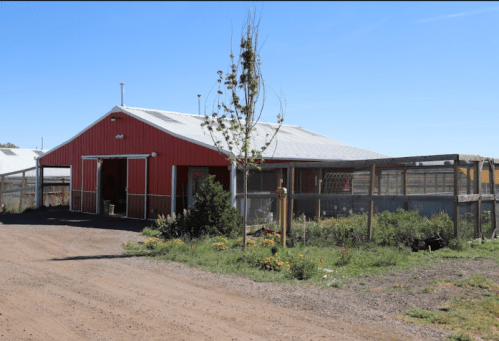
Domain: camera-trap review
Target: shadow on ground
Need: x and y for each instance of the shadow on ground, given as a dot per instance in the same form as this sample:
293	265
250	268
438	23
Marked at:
97	257
61	215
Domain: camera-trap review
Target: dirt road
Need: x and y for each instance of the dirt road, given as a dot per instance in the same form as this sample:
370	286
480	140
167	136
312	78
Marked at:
63	276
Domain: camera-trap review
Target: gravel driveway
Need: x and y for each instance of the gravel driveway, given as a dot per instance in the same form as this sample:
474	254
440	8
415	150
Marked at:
63	276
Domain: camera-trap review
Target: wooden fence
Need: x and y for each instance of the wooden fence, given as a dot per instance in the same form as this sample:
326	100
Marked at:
18	190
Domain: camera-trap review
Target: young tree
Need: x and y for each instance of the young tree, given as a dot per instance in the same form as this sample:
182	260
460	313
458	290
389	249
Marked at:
238	107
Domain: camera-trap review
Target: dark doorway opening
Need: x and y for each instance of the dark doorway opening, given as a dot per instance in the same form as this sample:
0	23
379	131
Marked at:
113	181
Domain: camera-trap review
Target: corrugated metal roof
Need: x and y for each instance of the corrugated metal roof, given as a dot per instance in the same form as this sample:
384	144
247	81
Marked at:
292	143
16	159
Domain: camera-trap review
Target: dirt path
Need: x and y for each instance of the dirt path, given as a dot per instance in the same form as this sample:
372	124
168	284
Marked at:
62	279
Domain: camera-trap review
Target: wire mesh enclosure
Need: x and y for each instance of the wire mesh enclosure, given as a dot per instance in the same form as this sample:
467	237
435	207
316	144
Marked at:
466	187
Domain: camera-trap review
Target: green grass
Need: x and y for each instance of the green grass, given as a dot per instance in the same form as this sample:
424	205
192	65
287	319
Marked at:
474	312
362	261
151	232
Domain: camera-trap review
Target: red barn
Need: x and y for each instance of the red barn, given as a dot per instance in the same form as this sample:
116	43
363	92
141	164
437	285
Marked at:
136	158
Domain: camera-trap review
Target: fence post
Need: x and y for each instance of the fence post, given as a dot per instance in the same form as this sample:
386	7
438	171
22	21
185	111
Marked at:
493	215
404	182
291	191
279	184
478	190
371	204
21	192
25	188
379	182
39	186
319	185
456	194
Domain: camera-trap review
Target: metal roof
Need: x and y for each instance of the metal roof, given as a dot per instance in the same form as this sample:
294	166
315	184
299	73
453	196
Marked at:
291	143
16	159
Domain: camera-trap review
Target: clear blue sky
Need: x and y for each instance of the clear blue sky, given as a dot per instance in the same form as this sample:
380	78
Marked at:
402	79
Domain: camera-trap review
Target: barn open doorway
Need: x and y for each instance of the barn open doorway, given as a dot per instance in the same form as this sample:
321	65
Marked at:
113	184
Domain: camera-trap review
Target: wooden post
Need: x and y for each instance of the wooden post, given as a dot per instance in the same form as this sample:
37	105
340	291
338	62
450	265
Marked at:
319	187
283	204
468	180
291	191
456	193
387	183
493	213
279	184
436	182
371	204
379	182
397	187
424	180
478	190
443	182
404	188
21	192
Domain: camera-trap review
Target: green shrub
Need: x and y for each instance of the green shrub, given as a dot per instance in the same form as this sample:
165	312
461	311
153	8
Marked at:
213	213
173	227
460	337
303	267
351	232
458	244
149	232
345	256
419	313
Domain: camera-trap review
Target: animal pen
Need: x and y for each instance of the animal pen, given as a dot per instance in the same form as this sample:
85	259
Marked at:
18	189
466	187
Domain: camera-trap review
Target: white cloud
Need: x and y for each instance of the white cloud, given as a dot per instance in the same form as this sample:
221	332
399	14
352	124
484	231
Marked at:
462	14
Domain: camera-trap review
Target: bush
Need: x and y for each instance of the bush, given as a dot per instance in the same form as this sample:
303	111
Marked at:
213	213
458	244
345	256
173	227
150	232
351	231
303	268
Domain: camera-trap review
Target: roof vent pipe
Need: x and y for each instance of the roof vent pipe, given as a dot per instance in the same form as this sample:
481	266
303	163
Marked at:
122	94
199	105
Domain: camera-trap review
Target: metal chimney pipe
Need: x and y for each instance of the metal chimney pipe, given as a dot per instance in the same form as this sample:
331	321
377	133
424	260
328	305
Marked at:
199	105
122	94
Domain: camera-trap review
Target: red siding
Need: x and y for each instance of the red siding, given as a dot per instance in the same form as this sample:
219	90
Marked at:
90	173
140	138
136	176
